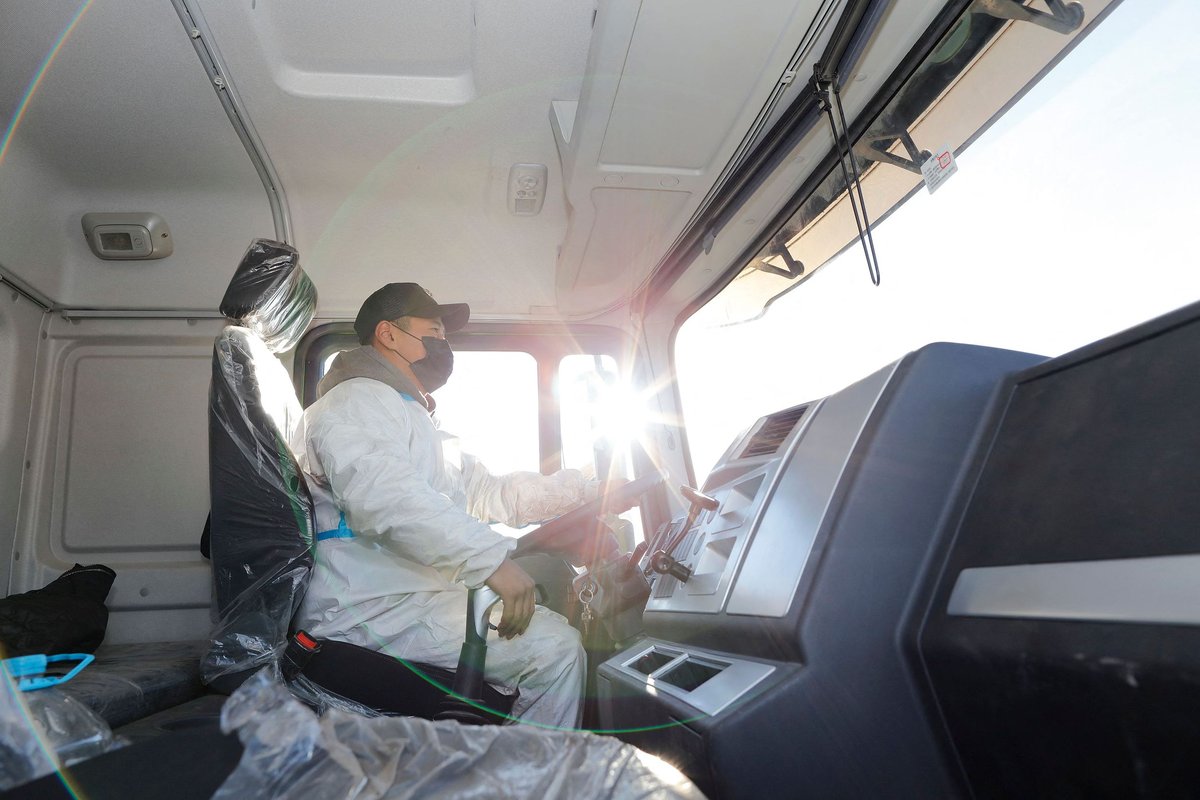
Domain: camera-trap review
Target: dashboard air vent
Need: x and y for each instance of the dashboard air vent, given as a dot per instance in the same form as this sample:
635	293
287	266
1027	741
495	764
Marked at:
773	432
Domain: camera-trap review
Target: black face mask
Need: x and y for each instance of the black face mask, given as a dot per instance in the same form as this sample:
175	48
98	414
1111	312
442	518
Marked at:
434	369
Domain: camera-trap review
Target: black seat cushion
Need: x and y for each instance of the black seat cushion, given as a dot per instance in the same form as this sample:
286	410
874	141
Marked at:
129	681
261	524
389	685
185	765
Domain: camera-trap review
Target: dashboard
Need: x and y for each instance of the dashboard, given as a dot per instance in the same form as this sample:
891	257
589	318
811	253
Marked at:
780	658
973	573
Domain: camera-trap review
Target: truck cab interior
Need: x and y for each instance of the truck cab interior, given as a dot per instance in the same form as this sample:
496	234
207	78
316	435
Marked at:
879	310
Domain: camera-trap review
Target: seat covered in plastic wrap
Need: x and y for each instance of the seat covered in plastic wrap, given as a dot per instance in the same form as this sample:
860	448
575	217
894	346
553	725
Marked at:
289	752
127	682
262	520
261	527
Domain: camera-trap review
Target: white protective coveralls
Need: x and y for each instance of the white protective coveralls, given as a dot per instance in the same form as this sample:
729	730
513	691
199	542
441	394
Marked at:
399	510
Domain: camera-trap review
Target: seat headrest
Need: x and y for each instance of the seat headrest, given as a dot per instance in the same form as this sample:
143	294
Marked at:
271	295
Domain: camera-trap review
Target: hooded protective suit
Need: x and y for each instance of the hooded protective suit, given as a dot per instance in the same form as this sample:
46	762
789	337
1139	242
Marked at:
398	509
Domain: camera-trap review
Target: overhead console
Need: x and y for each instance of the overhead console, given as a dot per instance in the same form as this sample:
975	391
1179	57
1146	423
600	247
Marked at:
776	665
671	93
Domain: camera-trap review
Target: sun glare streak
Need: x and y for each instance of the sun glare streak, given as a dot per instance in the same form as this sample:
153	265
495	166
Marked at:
619	412
666	772
36	81
624	416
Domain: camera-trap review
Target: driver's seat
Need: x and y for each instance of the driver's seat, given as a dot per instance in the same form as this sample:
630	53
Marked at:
261	529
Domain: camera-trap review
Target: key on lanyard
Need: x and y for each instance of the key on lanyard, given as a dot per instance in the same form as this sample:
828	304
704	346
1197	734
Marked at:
587	593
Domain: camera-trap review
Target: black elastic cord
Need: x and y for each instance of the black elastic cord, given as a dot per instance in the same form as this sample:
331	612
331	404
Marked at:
863	223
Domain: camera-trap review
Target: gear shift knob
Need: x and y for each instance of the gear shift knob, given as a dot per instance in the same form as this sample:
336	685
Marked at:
697	498
663	562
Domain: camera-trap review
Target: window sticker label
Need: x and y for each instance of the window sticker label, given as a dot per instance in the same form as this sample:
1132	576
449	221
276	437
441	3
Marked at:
938	168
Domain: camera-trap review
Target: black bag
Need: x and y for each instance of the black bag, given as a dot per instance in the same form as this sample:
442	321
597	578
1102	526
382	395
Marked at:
67	616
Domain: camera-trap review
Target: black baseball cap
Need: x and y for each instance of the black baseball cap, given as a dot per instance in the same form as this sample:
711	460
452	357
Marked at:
406	300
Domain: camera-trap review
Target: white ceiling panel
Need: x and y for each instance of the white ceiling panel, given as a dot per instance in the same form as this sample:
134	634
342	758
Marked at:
113	113
393	128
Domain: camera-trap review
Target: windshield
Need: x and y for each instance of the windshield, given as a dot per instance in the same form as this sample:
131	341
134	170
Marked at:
1065	222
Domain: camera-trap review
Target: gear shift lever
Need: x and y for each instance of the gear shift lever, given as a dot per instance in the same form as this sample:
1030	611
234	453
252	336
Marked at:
662	562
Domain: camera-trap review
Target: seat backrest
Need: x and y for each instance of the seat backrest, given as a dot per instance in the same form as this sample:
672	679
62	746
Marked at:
262	513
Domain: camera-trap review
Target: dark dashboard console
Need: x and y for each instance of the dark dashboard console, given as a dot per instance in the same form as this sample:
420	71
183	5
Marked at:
779	666
974	573
1062	634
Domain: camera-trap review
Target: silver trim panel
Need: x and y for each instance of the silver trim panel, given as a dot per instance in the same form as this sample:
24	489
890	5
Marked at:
1161	590
103	313
783	536
25	290
736	677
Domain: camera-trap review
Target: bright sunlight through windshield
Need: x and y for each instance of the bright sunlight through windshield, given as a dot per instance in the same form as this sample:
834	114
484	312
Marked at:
1066	222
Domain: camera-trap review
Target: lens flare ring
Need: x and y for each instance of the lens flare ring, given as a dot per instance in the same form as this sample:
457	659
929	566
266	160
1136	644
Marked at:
36	81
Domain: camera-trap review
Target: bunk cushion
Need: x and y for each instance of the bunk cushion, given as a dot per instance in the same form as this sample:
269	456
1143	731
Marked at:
129	681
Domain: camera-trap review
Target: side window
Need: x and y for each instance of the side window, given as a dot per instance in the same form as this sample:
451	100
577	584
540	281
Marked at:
491	404
584	383
501	414
601	423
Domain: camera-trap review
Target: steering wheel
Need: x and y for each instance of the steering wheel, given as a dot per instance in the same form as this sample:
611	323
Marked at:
571	534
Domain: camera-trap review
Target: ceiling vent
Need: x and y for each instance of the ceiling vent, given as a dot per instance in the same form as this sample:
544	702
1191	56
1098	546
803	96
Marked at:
773	432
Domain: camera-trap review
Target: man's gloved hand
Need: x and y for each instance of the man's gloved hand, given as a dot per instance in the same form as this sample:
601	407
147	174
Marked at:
617	508
516	590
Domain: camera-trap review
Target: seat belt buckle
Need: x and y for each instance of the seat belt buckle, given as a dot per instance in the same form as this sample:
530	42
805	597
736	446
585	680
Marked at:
299	651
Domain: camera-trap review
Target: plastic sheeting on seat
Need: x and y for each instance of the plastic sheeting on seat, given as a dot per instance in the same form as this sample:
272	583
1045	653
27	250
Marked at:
130	681
270	295
44	730
262	525
290	752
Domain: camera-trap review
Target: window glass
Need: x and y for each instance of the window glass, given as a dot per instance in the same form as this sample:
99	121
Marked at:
1061	226
491	404
329	362
584	382
601	421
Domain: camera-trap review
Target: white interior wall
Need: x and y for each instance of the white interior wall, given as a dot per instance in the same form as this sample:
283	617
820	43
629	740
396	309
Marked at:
42	242
119	475
33	248
20	321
